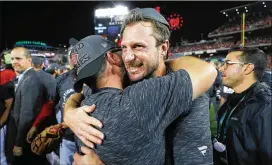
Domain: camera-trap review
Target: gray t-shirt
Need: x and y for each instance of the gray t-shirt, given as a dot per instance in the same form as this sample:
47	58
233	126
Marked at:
135	119
189	137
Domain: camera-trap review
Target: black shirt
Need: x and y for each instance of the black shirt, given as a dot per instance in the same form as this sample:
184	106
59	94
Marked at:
7	92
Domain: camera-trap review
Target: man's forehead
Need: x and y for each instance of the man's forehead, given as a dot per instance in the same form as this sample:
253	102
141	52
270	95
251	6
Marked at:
233	55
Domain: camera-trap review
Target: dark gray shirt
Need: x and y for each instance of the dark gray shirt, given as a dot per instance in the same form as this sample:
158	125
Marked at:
49	83
135	119
189	137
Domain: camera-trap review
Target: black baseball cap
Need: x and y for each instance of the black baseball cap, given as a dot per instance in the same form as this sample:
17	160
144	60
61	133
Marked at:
91	52
37	59
153	14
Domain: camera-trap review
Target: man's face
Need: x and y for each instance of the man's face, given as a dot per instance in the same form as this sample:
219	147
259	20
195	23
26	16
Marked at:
140	54
232	74
19	62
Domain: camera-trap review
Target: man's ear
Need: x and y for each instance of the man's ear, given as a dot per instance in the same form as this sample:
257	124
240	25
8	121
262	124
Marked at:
114	59
249	68
164	48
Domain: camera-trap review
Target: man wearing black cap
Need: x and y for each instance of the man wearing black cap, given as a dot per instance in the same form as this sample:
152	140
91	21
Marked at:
50	84
145	44
53	69
134	118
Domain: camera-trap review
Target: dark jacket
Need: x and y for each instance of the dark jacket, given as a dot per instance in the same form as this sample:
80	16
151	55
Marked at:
29	97
248	136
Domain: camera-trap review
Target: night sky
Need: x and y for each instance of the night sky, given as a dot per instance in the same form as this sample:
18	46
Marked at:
55	22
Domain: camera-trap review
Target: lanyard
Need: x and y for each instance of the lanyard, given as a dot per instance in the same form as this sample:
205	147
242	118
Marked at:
223	118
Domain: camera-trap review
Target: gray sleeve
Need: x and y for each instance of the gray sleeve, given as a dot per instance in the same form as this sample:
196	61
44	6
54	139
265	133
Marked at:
159	101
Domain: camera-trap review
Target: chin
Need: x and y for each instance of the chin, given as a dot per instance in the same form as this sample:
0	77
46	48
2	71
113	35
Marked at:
136	77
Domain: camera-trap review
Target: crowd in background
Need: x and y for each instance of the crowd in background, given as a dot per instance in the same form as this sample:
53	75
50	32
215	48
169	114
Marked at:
255	20
249	41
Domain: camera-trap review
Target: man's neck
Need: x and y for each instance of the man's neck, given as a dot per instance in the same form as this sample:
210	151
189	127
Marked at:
110	82
243	86
160	71
24	70
36	69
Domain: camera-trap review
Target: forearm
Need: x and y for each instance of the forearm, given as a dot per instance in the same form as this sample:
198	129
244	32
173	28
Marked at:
4	117
72	103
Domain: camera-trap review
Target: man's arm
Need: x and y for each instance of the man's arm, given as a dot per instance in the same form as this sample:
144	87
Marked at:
263	133
4	117
80	122
202	74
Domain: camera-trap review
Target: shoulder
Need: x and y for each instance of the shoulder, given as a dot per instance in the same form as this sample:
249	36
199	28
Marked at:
260	101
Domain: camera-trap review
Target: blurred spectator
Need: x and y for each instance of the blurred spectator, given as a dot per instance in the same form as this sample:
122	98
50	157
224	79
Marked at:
63	69
53	69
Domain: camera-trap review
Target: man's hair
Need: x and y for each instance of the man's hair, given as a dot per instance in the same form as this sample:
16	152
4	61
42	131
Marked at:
160	31
255	56
27	54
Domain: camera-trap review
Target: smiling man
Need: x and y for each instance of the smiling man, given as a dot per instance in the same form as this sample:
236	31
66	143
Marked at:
29	95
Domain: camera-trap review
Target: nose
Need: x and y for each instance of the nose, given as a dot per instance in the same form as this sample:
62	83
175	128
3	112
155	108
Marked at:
128	56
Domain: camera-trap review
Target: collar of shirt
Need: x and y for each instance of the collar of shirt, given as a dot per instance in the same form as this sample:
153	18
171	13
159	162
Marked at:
22	74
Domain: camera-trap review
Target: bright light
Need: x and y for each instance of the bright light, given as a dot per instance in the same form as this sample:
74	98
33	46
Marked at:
246	10
245	7
264	5
237	12
263	2
236	9
224	13
110	12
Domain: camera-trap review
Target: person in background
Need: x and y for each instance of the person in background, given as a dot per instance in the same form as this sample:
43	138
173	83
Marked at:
49	82
63	69
6	99
244	131
267	77
53	69
29	96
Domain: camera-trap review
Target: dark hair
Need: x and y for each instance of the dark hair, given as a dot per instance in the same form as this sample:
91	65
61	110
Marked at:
255	56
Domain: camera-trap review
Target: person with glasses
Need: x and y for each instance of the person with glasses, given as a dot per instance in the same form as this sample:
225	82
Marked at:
244	120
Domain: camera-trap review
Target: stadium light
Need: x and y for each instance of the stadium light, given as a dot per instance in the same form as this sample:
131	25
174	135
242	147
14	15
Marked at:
109	12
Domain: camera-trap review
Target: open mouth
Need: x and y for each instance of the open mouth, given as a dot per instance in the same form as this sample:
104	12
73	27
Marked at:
135	68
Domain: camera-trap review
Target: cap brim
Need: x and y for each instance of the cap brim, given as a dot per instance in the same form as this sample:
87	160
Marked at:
116	51
88	71
73	41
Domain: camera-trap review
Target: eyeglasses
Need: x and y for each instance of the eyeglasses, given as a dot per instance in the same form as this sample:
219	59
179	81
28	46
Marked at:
226	63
